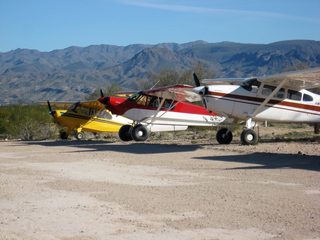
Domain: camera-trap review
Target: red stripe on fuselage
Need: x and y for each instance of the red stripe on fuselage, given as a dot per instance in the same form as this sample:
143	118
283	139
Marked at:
273	102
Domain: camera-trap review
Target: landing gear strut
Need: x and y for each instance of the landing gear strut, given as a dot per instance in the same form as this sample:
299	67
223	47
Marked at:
248	135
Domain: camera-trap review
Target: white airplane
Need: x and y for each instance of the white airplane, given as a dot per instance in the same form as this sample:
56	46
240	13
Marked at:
277	98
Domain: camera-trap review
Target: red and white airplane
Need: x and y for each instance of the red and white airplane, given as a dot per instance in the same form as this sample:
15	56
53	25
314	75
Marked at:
277	98
158	110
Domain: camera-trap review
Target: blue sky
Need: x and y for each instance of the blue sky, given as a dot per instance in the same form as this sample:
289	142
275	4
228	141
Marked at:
55	24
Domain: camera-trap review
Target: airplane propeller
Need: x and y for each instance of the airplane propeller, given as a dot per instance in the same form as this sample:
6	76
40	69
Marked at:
103	99
51	112
200	89
196	80
101	93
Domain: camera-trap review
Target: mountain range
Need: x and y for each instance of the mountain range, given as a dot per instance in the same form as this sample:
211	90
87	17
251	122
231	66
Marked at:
73	73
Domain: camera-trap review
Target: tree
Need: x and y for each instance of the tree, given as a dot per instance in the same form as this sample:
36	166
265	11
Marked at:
165	77
203	71
110	90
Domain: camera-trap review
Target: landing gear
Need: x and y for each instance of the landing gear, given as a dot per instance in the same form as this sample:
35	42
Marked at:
79	135
64	135
249	137
139	133
125	133
224	136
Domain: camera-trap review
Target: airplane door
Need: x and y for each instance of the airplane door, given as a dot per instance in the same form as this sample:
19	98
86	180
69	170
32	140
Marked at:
218	100
245	102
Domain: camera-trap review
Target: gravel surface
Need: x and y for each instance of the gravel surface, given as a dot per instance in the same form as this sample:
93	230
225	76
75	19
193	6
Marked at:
99	190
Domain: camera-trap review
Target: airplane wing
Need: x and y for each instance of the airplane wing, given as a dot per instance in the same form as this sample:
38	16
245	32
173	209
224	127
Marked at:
225	81
65	105
180	92
296	80
59	104
124	94
92	104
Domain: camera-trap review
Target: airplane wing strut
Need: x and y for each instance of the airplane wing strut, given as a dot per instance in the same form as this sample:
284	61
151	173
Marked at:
282	83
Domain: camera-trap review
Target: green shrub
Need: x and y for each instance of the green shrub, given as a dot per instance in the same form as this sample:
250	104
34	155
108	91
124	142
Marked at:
27	122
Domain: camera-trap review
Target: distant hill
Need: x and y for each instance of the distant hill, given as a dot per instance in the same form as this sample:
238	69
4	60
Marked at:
73	73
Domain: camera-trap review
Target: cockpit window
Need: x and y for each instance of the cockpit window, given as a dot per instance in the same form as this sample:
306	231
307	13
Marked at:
281	93
77	108
294	95
307	98
151	101
74	107
267	90
134	97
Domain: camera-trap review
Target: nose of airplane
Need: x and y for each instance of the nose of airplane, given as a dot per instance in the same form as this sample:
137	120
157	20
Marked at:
201	90
104	100
51	112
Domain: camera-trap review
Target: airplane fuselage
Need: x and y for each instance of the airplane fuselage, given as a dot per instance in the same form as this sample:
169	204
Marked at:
149	110
286	106
73	121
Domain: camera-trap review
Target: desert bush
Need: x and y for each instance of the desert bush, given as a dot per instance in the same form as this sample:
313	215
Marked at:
27	122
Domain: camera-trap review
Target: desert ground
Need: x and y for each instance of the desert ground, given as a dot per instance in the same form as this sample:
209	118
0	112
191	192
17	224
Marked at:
85	190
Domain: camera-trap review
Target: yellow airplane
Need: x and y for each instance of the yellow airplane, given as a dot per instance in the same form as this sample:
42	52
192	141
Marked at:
82	117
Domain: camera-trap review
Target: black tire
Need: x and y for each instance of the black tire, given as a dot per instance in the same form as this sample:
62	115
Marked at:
125	133
139	133
224	136
79	135
249	137
64	135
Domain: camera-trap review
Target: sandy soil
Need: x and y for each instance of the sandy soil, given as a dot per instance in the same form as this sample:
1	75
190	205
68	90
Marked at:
99	190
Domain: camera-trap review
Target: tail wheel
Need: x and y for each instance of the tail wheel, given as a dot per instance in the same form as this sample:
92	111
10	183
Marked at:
249	137
224	136
79	135
125	133
139	133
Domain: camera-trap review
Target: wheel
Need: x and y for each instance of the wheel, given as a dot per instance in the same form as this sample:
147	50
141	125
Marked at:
125	133
79	135
224	136
64	135
249	137
139	133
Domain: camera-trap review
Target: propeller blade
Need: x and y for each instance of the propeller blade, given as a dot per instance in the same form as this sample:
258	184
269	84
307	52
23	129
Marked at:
196	80
50	108
101	93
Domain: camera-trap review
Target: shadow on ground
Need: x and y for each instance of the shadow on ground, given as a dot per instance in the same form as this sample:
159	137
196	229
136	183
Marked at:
252	160
269	161
135	148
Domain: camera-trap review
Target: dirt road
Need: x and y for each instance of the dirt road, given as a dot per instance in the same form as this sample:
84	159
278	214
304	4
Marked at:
98	190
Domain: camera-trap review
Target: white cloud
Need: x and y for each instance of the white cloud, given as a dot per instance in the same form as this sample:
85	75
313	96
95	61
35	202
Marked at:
205	10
